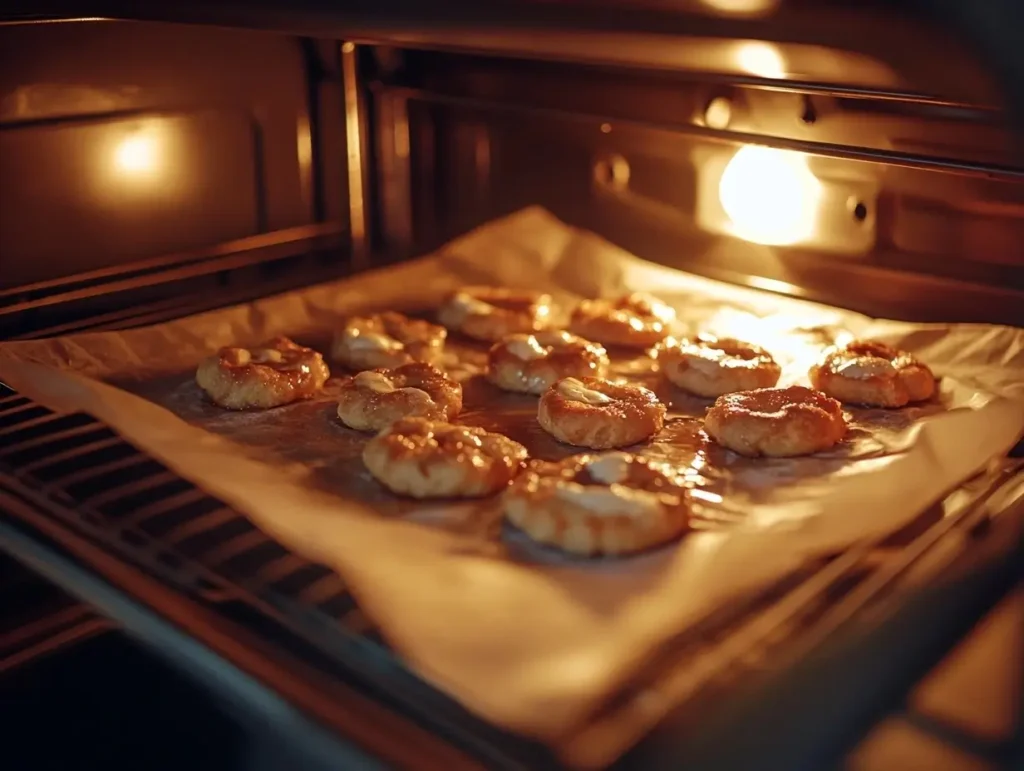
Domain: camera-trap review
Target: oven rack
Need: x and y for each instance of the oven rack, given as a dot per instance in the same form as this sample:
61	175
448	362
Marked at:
79	475
175	285
37	618
68	474
73	454
524	108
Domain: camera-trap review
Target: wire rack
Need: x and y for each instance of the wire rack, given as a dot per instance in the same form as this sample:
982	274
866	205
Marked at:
37	618
84	476
127	499
80	474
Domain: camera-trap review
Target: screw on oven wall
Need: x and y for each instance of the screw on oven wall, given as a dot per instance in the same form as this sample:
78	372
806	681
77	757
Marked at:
857	208
612	171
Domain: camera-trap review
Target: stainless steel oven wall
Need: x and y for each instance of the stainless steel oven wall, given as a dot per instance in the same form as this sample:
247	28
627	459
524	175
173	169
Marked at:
121	141
918	211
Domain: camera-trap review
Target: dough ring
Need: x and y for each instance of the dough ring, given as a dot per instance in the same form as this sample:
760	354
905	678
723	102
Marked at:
635	321
491	313
377	398
614	503
278	372
428	459
531	363
874	374
711	367
776	422
596	413
387	340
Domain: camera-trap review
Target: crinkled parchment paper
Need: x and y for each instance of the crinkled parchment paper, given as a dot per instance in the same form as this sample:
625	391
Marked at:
530	641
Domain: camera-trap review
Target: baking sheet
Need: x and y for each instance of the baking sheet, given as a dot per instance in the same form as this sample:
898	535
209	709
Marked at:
519	635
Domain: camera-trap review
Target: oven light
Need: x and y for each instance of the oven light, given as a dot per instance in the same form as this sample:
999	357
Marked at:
761	59
742	7
137	155
770	196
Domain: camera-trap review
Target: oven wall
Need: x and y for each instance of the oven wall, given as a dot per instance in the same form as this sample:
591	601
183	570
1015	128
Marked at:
121	141
926	224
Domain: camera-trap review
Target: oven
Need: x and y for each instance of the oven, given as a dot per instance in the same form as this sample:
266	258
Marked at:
165	161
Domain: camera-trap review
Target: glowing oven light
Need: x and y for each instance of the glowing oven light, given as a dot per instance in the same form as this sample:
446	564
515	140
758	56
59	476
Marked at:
770	196
137	155
742	7
761	59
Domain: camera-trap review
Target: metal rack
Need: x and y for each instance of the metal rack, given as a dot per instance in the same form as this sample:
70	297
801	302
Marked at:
75	460
37	618
705	133
71	479
968	713
238	270
68	472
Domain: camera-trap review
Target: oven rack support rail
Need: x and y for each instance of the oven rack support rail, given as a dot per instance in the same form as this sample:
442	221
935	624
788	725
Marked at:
239	270
103	507
37	618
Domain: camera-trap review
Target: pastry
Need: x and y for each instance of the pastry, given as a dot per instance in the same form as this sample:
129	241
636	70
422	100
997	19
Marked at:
596	413
278	372
711	366
874	374
613	503
429	459
531	363
634	321
491	313
387	340
776	422
377	398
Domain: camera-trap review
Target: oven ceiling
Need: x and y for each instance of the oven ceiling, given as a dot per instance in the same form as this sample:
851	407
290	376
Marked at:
871	37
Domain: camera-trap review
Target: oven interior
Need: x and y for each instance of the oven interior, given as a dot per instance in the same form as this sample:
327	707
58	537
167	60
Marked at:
155	170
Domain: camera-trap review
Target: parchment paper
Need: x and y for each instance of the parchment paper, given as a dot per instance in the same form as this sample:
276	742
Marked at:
520	636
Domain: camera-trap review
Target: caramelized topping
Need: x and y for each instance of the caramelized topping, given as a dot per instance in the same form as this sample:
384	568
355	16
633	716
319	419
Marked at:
573	390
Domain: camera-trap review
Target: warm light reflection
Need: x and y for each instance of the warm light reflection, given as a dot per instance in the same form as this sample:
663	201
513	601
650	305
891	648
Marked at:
304	143
742	7
761	59
137	155
843	338
770	196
